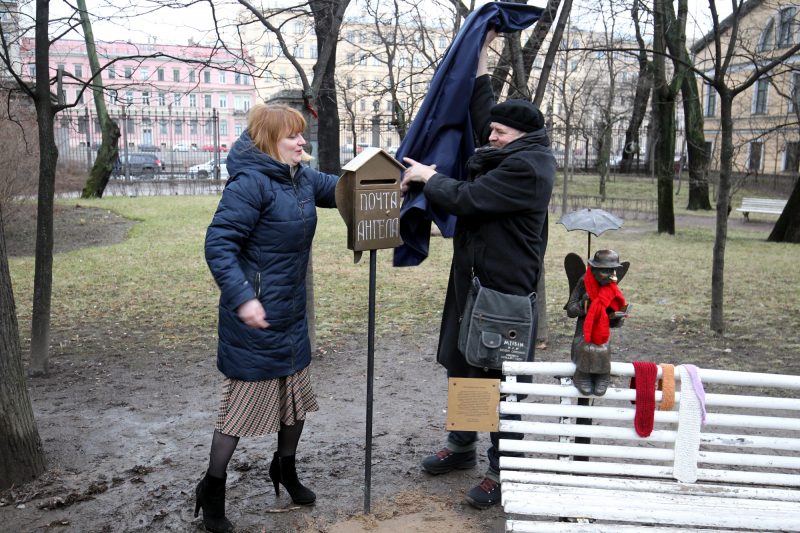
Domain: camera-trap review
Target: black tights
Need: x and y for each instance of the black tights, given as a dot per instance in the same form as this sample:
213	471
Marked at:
223	446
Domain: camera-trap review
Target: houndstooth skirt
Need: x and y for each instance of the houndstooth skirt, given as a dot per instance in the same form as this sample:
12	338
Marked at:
255	408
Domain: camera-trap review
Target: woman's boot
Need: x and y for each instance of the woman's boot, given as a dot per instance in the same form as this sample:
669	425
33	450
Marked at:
210	494
282	471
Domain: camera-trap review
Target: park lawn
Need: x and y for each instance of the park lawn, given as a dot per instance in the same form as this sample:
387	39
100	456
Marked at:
156	281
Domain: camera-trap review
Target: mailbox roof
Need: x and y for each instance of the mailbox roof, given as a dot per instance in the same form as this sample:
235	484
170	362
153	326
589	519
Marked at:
366	155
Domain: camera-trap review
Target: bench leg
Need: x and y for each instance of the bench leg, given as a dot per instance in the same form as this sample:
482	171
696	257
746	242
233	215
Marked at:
746	216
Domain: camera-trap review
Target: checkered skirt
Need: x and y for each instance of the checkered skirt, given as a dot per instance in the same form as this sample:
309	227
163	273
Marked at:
254	408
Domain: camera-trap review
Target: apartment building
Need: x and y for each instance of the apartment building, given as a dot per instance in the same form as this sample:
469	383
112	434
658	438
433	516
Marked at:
766	136
166	97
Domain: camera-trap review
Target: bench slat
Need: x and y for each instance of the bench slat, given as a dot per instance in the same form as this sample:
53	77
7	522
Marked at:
568	527
658	435
608	468
659	508
522	480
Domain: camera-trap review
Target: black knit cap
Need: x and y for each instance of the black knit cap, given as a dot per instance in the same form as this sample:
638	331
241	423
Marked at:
519	114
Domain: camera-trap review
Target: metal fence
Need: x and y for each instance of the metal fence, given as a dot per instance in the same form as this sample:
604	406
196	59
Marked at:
178	140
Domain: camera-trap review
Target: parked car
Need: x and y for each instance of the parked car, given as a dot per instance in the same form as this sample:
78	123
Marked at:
142	164
182	147
149	148
206	170
212	148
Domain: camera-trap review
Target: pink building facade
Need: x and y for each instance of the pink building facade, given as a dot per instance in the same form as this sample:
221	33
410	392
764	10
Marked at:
164	97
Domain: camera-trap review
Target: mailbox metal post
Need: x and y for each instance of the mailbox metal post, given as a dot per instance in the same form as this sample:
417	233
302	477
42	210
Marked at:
373	254
368	198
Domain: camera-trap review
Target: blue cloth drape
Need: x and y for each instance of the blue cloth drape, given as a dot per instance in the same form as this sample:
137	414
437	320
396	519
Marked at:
441	132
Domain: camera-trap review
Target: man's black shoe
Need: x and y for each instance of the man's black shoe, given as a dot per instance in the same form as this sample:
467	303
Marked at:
485	494
446	460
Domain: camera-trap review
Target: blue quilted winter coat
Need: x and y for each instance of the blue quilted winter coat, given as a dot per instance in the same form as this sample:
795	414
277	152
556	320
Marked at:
257	246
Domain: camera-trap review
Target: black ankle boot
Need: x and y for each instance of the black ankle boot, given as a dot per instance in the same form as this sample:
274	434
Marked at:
210	494
282	471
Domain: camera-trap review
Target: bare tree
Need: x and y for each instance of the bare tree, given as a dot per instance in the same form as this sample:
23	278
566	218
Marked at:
644	87
108	153
728	49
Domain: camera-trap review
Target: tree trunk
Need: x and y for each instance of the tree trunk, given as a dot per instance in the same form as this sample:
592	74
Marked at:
723	201
21	455
696	142
549	58
48	157
108	153
664	117
787	228
644	86
327	23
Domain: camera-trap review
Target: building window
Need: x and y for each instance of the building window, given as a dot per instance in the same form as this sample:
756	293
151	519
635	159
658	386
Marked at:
79	96
206	100
299	51
128	73
786	29
176	74
222	76
767	37
162	127
710	102
237	129
268	50
145	98
794	93
176	99
241	103
193	127
754	163
78	71
112	97
298	26
160	74
144	73
129	97
760	97
162	99
314	51
442	42
206	76
208	127
237	79
791	159
192	75
178	127
223	127
192	100
32	70
223	101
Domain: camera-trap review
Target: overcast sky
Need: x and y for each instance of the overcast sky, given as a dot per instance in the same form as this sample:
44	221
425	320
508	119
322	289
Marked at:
177	26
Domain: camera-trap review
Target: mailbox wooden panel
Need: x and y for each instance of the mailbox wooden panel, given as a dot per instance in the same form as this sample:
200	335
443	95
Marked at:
368	198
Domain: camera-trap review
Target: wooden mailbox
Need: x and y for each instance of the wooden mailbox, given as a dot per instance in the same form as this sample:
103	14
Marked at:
368	198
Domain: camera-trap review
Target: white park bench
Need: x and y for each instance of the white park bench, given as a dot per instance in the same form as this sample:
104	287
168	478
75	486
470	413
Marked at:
746	459
771	206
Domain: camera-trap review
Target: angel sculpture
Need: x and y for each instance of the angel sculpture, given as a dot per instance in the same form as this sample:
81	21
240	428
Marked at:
598	304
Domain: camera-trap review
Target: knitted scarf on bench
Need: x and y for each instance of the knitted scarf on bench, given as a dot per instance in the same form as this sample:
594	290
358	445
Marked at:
596	326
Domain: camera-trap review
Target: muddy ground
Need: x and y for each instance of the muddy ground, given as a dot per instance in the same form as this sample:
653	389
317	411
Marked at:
126	429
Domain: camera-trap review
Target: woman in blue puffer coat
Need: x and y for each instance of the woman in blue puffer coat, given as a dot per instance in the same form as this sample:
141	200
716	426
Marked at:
257	248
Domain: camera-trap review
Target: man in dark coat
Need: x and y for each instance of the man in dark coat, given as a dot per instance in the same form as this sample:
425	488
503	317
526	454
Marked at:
500	237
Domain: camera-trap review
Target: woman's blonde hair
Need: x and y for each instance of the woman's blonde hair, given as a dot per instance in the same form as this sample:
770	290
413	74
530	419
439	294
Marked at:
268	124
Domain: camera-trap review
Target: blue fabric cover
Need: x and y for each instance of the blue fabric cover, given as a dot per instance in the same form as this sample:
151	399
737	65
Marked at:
442	131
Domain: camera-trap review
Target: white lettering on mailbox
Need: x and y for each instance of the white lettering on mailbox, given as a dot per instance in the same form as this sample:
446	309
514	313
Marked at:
376	229
380	200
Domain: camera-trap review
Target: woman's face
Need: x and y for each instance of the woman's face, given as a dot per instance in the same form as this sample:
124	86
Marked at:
290	149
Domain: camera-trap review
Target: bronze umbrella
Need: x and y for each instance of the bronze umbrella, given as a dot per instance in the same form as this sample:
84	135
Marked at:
593	221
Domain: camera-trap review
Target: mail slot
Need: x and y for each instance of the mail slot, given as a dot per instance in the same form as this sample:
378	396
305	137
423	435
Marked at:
368	198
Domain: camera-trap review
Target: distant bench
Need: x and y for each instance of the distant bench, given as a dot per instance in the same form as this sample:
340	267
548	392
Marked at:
741	470
770	206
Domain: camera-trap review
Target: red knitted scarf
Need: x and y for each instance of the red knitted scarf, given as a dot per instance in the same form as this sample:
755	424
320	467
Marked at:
595	328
